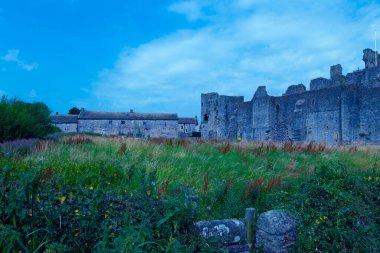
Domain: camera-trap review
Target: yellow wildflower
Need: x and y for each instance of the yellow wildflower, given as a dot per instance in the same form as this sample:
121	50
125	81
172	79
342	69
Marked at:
62	199
105	215
91	188
369	178
317	221
77	213
38	199
148	192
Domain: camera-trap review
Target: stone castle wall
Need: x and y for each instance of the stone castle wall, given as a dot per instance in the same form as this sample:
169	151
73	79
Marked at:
342	109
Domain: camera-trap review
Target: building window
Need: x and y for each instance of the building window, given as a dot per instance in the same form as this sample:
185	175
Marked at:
110	122
186	130
205	117
181	126
123	122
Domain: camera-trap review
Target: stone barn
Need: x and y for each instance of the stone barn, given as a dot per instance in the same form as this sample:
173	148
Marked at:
131	124
67	123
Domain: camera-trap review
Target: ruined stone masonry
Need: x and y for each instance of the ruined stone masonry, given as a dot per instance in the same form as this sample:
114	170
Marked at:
341	109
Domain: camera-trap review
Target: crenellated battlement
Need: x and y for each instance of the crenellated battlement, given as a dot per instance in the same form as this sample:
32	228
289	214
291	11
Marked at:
342	108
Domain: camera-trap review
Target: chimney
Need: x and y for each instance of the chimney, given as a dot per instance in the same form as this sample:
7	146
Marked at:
56	113
131	110
82	109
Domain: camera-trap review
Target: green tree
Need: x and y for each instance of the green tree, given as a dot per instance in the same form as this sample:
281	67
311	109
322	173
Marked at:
19	119
74	111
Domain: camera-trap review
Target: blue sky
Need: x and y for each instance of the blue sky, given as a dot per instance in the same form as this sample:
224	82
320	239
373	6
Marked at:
159	56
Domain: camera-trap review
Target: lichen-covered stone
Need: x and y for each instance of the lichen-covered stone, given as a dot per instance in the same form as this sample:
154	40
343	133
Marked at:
223	232
276	232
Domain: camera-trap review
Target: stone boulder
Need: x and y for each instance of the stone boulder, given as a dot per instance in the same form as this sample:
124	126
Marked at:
223	232
276	232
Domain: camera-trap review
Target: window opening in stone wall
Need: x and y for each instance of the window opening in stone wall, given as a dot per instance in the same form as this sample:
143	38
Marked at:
277	107
123	122
110	122
205	117
181	126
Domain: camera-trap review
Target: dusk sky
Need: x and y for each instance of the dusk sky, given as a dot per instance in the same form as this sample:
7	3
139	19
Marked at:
159	56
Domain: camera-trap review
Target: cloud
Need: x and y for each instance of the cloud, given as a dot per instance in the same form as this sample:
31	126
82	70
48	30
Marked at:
32	94
13	56
191	9
243	45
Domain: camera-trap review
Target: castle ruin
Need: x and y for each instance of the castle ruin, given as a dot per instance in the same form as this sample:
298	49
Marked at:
341	109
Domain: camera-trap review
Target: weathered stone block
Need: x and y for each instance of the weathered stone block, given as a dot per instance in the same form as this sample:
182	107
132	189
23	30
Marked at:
276	232
223	232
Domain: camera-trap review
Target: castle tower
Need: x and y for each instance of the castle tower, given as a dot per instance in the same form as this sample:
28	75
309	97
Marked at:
371	58
336	75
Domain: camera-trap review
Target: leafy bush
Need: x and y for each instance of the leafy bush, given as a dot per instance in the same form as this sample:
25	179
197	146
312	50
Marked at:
38	212
24	120
338	210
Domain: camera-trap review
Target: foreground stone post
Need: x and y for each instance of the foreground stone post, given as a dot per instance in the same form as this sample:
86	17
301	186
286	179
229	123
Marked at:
250	217
276	232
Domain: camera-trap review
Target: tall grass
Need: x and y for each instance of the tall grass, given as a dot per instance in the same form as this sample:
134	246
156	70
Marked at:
198	164
227	176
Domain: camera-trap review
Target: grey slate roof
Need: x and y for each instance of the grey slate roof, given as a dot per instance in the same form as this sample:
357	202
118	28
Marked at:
187	121
84	115
64	118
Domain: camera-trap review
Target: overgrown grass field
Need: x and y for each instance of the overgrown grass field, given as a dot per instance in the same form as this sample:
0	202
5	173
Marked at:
85	193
